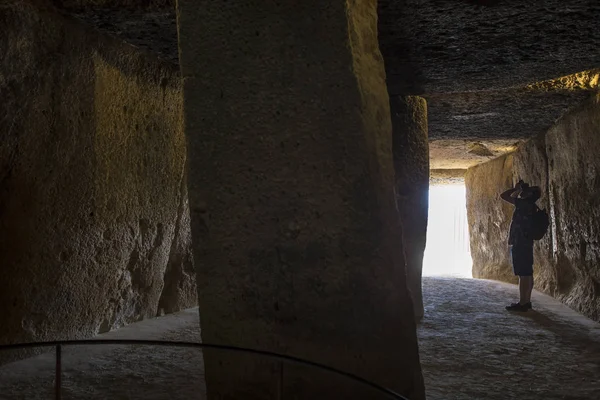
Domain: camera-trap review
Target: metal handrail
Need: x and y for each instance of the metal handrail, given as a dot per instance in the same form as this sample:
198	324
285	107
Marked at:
282	357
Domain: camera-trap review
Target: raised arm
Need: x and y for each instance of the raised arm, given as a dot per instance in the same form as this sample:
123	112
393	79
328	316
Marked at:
510	195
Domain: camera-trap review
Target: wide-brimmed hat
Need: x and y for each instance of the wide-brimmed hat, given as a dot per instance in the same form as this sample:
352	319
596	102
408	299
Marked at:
533	192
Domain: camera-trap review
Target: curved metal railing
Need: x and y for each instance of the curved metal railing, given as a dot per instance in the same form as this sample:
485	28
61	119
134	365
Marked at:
58	345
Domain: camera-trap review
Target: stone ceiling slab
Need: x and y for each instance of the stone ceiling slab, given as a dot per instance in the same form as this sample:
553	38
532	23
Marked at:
436	46
463	154
466	129
153	30
429	46
505	114
447	176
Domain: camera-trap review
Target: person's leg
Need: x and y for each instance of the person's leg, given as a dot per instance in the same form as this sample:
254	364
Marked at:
523	268
528	256
525	288
524	294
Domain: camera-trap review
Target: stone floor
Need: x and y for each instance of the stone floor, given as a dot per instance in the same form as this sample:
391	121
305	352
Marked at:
470	349
117	372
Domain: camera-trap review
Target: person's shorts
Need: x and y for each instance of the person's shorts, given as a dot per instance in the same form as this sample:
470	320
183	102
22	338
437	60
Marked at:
522	260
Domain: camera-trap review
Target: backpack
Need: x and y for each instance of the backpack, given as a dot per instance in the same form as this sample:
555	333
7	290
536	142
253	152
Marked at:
539	223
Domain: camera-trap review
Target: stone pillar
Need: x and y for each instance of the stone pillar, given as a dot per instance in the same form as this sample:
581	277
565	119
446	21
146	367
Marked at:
297	240
411	161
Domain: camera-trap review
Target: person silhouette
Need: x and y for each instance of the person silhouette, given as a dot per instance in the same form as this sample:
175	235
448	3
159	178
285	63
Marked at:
520	239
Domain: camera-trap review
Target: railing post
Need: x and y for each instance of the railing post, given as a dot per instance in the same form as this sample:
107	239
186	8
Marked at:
58	372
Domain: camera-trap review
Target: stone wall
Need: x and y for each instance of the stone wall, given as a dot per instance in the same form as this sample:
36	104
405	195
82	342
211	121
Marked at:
564	163
572	147
489	218
94	221
411	166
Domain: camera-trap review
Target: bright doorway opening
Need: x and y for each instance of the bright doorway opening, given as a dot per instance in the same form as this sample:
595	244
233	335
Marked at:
447	252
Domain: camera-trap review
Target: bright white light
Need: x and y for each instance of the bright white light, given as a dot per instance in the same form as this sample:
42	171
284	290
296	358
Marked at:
447	251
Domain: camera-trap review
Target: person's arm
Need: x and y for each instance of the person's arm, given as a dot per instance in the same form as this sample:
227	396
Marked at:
510	195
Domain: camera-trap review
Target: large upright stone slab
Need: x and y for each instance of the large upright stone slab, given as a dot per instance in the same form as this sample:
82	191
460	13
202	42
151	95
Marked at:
411	161
94	225
572	148
489	218
564	163
291	183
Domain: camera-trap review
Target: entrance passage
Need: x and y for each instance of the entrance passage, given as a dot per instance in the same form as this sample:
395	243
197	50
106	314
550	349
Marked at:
447	252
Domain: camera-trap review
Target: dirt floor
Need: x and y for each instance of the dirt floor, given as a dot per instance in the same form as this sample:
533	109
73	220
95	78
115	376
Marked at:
471	348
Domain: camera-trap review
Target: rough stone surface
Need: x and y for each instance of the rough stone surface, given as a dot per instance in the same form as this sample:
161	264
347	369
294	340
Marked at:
472	348
489	218
444	46
511	114
295	224
530	164
498	120
179	289
462	154
572	148
93	215
128	372
499	353
488	69
563	162
152	29
411	163
447	176
457	46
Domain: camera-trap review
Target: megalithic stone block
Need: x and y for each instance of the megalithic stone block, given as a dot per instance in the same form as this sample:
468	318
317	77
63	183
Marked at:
297	239
411	161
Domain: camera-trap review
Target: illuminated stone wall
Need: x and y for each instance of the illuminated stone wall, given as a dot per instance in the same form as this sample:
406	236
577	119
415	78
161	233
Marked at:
94	222
564	163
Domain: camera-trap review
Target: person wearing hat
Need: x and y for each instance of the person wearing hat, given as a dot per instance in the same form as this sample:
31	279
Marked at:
520	239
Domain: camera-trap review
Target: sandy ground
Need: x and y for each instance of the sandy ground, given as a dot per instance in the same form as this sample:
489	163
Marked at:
471	348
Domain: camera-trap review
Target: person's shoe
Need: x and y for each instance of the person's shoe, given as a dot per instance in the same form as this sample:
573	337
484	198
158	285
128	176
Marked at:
519	307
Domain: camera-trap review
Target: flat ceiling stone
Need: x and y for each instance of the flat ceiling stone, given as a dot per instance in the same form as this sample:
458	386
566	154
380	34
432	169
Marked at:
463	154
436	46
466	129
502	114
447	176
150	29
